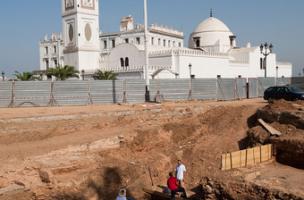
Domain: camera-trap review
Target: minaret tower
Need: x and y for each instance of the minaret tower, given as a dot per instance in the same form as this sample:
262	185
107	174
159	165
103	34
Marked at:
80	24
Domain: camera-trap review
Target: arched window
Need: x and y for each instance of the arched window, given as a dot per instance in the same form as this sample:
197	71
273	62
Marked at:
122	62
197	42
127	62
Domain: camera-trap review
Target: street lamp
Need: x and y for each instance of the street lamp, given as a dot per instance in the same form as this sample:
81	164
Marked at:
277	75
190	82
265	51
3	75
190	69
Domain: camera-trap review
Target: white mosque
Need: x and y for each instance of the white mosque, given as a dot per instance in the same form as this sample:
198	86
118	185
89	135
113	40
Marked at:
212	49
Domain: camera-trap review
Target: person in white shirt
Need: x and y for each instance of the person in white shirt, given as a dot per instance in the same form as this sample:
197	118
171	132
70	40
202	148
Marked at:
180	170
122	195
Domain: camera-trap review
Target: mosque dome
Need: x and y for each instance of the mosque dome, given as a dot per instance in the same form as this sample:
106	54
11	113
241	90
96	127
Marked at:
211	24
212	35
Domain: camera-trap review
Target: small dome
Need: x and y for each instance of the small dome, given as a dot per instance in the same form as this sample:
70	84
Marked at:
212	35
211	24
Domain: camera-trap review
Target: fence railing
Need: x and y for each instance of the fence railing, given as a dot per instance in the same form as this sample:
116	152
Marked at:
247	157
61	93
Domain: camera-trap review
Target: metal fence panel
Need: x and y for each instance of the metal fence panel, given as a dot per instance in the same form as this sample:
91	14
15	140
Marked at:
264	83
5	93
32	93
103	92
204	89
135	91
298	81
283	81
170	89
226	89
241	88
71	93
253	88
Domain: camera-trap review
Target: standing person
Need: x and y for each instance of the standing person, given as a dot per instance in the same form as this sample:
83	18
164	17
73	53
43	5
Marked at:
122	195
174	187
180	170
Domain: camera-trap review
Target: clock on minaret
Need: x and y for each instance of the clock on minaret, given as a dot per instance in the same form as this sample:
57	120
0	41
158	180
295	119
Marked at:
69	4
88	4
80	23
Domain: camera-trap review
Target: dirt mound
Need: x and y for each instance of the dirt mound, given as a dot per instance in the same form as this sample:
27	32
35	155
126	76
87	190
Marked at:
283	112
288	118
290	150
213	190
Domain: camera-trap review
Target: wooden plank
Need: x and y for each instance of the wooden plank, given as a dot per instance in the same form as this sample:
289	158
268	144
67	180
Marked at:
228	161
250	158
269	128
247	157
243	158
236	159
223	162
257	154
264	153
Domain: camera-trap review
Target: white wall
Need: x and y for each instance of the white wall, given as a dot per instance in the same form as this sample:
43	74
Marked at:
136	57
284	69
203	67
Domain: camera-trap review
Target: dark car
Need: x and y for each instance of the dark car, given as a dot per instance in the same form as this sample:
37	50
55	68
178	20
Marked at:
289	93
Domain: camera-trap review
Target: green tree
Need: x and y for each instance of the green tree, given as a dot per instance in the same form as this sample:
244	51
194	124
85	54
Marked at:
25	76
104	75
63	73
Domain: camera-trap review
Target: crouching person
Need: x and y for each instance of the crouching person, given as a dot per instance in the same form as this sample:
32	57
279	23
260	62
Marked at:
174	187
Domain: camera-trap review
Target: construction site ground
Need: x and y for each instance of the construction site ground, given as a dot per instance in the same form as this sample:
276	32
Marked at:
89	152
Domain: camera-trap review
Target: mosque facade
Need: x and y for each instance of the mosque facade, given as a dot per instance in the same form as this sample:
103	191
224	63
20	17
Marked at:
212	49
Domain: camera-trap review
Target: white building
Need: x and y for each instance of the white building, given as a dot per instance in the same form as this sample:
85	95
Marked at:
212	50
51	51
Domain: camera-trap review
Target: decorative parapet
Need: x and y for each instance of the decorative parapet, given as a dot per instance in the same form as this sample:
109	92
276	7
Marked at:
134	69
166	30
55	37
186	52
123	69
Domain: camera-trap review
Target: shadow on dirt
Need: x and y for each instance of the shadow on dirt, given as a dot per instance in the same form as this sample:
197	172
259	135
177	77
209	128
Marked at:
103	187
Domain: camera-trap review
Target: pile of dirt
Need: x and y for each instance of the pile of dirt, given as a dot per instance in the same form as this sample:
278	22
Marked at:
283	112
288	118
212	190
290	150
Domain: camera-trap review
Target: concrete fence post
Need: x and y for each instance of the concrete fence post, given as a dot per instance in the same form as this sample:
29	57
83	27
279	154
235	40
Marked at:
89	93
124	98
217	89
13	95
236	96
190	89
52	100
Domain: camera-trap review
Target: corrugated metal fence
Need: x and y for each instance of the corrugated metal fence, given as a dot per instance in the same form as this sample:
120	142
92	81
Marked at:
257	86
61	93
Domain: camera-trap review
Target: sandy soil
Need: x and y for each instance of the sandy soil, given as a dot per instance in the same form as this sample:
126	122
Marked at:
90	152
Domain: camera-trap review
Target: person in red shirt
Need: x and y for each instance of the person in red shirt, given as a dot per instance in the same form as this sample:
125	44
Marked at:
174	187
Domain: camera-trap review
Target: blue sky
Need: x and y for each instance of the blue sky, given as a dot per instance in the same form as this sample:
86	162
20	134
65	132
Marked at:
24	23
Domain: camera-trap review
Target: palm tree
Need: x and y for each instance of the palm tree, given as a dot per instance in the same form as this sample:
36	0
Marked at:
63	73
25	76
104	75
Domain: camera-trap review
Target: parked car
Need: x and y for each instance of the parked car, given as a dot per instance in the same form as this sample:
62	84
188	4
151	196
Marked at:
288	92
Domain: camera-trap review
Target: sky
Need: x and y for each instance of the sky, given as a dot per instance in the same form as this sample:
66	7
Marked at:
281	22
